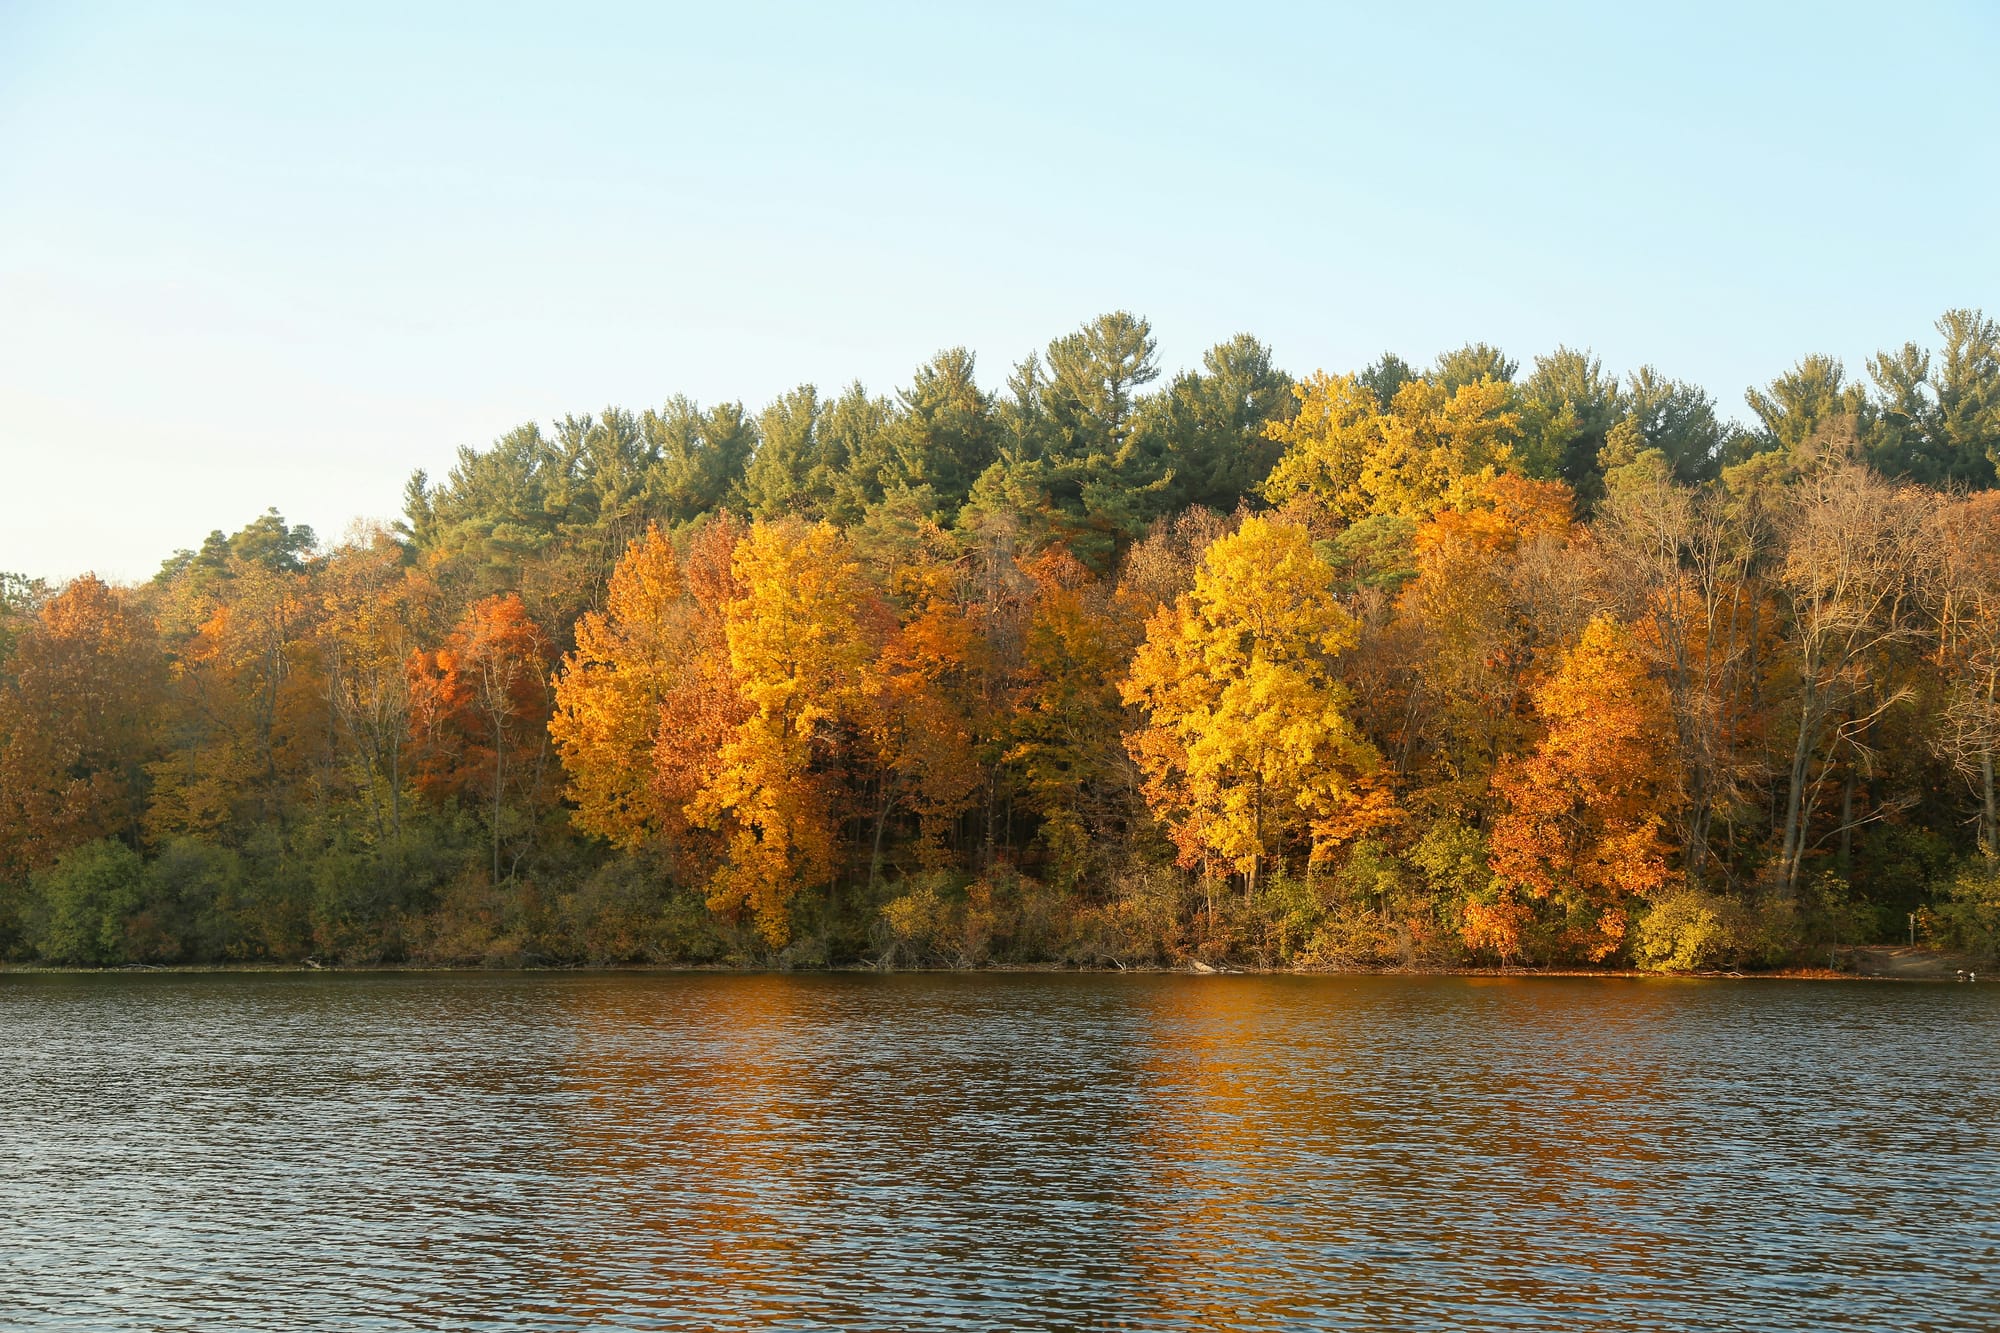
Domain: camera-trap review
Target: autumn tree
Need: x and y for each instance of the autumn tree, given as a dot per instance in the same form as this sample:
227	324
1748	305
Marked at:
1410	458
1065	730
247	720
376	610
1967	539
78	721
1689	566
922	706
610	693
701	706
797	646
1486	602
1583	819
479	711
1852	579
1248	748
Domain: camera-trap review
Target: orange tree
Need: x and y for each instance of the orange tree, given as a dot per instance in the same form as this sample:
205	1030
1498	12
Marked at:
479	715
1582	827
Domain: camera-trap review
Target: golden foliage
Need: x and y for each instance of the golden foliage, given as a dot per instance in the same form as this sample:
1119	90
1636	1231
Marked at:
797	650
1249	747
1411	458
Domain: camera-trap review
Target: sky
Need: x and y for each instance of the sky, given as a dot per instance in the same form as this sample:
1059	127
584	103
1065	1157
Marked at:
282	255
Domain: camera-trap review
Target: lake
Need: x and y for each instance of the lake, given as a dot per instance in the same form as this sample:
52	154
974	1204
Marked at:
558	1151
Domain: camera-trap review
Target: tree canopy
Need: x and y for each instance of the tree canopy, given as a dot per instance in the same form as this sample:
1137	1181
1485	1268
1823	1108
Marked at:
1479	659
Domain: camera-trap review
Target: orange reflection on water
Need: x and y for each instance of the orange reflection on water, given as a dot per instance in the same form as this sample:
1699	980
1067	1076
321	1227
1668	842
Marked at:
696	1095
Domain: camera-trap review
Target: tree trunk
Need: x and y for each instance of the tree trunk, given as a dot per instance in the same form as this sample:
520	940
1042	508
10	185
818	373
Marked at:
499	762
1989	839
1793	846
881	822
1847	826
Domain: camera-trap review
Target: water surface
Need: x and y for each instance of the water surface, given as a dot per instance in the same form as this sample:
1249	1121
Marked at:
546	1151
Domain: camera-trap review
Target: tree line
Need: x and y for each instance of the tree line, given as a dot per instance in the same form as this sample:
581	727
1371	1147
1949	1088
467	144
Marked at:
1400	667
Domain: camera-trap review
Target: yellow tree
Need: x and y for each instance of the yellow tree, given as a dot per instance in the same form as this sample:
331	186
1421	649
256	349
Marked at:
1582	828
1248	746
376	613
1409	458
611	692
1067	717
248	717
797	646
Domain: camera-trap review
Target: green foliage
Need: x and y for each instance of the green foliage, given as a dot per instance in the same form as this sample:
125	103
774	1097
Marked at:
1938	421
797	468
1207	429
1832	913
1964	912
1472	363
79	907
1675	418
942	920
1568	407
1375	552
1071	454
1811	407
195	905
945	435
1385	378
629	911
1687	930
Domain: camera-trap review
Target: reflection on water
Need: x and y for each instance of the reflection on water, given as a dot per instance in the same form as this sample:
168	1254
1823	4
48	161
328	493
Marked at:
914	1152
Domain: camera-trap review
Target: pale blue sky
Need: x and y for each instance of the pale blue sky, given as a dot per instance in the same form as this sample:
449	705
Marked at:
255	255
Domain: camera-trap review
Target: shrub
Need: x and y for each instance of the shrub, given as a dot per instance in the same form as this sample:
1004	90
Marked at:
80	905
1965	911
194	904
1687	930
932	925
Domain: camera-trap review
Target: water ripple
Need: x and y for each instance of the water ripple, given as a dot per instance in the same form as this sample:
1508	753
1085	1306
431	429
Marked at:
998	1152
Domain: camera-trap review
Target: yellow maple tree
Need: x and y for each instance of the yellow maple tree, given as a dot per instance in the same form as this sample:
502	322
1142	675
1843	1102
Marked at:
797	647
1248	746
1409	458
610	692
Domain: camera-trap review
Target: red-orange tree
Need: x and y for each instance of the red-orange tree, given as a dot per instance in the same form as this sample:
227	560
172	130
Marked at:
479	711
1582	828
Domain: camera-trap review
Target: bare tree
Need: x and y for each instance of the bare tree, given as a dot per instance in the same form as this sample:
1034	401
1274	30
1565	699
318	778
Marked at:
1690	558
1855	569
1966	535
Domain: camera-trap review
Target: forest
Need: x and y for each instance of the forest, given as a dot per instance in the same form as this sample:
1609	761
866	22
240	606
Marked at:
1466	664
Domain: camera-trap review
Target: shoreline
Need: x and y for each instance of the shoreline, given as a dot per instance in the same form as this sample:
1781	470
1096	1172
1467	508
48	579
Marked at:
1943	969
